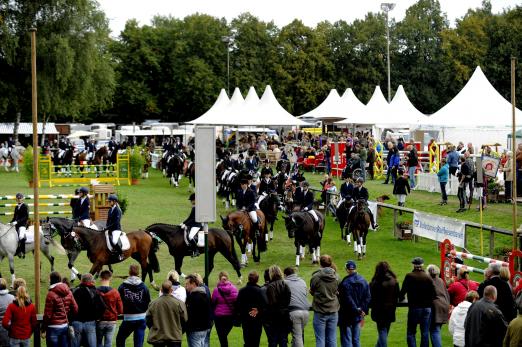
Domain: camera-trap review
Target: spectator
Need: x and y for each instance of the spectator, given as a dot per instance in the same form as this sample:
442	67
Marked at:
458	317
210	311
5	300
389	146
106	326
395	162
323	287
135	298
298	307
90	308
505	275
18	282
59	303
464	176
178	291
418	286
452	157
384	290
165	317
401	188
485	325
440	307
223	301
412	161
443	176
277	315
20	319
199	312
503	296
354	300
250	304
458	289
513	336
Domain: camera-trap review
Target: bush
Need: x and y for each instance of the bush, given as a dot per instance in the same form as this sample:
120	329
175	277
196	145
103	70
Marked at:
28	163
136	163
123	202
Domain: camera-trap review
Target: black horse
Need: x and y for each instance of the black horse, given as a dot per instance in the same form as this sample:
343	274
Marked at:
301	226
174	168
270	207
62	163
342	213
218	241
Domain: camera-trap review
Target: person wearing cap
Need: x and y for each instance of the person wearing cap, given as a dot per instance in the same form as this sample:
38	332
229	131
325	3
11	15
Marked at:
307	203
267	169
354	301
419	288
346	191
74	204
246	201
194	228
20	221
114	224
266	186
361	193
251	164
83	208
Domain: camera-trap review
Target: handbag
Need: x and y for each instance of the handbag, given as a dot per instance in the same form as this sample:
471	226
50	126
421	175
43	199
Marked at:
236	321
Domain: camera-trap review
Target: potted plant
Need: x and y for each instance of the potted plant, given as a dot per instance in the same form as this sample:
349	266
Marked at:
494	188
28	165
404	230
136	162
123	202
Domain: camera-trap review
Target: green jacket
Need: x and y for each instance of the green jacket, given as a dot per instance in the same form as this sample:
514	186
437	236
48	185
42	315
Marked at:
323	287
165	317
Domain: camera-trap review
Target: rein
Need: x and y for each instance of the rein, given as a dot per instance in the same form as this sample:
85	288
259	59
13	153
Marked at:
7	231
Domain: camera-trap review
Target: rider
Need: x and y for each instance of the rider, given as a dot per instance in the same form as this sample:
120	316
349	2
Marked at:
307	203
74	204
251	163
20	221
267	169
361	193
246	200
346	190
83	208
114	223
112	144
193	226
265	187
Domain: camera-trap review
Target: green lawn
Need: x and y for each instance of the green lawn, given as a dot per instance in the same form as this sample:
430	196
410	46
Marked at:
154	201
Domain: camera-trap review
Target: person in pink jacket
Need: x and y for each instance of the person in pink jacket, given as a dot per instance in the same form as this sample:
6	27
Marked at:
223	303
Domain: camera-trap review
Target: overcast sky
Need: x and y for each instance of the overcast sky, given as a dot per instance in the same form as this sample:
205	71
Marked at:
281	12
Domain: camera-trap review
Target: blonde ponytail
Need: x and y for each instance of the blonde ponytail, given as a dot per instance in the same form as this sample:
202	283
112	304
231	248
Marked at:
21	296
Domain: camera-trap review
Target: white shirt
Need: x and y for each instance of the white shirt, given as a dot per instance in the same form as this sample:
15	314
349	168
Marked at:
456	322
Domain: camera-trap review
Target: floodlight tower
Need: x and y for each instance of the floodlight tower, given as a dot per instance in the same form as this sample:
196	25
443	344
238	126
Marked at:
386	7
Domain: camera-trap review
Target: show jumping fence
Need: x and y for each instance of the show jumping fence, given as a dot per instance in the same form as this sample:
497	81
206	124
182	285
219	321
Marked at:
51	211
68	175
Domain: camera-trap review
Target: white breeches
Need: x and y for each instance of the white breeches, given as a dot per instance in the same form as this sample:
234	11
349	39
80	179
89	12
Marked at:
340	203
312	212
85	223
21	233
193	231
253	216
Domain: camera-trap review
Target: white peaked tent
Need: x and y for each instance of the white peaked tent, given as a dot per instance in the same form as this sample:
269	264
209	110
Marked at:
214	112
351	103
375	112
402	113
477	104
329	110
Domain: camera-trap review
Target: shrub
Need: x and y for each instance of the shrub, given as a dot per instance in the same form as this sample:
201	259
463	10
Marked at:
28	163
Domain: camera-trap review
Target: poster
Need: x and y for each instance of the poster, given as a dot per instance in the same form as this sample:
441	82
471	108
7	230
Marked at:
490	166
439	228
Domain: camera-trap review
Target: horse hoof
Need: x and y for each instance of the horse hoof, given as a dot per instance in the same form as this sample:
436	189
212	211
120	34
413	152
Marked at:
155	286
243	266
359	257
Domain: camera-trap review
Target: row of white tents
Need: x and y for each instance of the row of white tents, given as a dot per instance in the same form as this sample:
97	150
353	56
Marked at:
478	104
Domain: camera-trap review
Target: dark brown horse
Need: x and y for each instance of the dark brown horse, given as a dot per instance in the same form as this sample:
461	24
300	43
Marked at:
189	171
219	241
141	249
342	212
270	207
360	224
300	226
101	156
240	225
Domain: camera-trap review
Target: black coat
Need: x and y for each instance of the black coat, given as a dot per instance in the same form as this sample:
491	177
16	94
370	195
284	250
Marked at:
266	187
198	310
307	200
385	296
249	297
278	297
190	222
21	215
402	186
484	326
360	193
82	210
246	200
114	219
505	301
267	170
346	191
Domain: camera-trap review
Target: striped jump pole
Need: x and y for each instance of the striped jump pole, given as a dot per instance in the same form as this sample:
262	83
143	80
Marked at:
463	255
468	268
41	204
44	196
41	212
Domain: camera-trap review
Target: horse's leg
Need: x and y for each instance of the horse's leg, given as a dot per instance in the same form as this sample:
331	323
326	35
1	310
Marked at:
232	259
359	246
72	258
298	249
364	243
254	256
271	230
314	256
11	268
95	268
242	247
178	263
47	253
355	239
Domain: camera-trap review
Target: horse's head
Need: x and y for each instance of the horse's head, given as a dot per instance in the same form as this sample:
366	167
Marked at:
361	205
347	203
48	228
226	223
292	225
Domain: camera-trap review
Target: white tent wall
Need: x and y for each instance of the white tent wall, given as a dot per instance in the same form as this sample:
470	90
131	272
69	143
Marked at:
477	136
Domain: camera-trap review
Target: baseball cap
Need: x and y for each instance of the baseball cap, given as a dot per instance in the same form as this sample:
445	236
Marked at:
351	265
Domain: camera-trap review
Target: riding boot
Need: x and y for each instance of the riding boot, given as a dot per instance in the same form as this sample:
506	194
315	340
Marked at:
21	249
316	228
256	229
194	246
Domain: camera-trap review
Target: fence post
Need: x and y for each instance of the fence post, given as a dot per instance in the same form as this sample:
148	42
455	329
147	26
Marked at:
394	221
491	243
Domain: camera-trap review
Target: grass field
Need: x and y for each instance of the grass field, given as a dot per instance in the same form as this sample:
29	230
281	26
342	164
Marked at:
154	201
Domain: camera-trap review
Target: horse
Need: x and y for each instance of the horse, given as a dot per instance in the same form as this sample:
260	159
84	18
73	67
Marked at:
15	158
342	213
96	245
63	227
360	224
219	241
189	171
62	163
101	156
270	207
174	168
300	225
9	245
240	225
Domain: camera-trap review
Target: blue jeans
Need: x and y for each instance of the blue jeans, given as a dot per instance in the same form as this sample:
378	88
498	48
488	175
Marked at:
436	340
411	173
19	342
277	335
350	335
197	338
128	327
418	316
383	329
104	333
57	337
325	326
84	331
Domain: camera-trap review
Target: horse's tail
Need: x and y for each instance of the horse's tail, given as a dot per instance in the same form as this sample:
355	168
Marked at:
59	248
153	258
233	248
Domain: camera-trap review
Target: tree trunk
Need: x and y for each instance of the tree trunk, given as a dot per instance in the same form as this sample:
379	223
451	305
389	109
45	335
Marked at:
15	129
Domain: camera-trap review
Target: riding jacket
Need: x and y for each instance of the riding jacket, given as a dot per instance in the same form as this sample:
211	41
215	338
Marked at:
190	222
346	191
82	209
360	193
114	218
91	147
267	170
246	199
251	164
308	201
21	215
266	186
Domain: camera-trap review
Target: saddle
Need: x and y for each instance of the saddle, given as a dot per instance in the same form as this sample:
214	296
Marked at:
119	238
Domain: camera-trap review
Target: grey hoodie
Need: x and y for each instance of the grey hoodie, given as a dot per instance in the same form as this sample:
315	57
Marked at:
298	293
323	286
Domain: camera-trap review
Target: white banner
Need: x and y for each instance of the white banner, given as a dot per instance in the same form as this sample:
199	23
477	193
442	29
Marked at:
439	228
372	206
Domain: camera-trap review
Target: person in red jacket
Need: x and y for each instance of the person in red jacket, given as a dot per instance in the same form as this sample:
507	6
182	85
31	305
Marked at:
59	303
458	289
113	307
20	319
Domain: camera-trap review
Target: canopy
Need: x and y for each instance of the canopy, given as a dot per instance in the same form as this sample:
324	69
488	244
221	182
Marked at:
477	104
270	112
27	128
81	133
214	112
331	109
351	103
402	113
375	112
